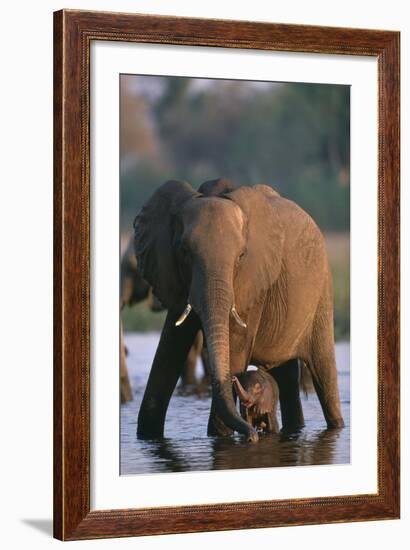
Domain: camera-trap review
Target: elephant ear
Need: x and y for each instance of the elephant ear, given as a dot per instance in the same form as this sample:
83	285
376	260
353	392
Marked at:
153	241
261	267
216	187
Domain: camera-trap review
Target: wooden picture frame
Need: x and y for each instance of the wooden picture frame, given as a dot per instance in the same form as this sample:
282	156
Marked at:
73	33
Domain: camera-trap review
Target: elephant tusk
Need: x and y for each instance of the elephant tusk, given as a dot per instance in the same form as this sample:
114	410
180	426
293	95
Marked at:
237	318
187	311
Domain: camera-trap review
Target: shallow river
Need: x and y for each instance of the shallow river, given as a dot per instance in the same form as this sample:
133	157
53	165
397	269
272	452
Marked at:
186	445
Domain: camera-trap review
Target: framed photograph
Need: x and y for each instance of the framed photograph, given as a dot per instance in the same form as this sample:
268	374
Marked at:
226	275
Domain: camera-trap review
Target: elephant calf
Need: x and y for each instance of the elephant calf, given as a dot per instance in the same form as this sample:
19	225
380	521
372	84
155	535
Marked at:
258	396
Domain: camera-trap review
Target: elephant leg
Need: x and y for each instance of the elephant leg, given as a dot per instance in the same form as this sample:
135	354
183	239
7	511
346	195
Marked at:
188	376
322	366
287	377
206	378
125	385
273	426
167	366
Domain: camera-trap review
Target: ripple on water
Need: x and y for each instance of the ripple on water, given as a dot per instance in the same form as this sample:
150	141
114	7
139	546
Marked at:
186	447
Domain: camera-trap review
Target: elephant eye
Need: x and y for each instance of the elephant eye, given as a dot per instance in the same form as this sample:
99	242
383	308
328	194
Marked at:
241	255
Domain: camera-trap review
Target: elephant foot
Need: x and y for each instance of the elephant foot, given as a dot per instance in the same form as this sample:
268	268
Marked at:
335	424
216	427
290	433
151	420
149	428
292	428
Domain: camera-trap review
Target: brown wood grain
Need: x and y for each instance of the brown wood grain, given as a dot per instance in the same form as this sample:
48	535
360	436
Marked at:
73	33
58	281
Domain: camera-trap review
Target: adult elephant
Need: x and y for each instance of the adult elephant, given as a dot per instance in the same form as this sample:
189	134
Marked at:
250	268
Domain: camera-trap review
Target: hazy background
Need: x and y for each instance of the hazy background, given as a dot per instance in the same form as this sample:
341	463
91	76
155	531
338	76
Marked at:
294	137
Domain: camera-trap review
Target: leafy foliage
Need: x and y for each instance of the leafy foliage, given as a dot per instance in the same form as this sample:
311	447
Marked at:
294	137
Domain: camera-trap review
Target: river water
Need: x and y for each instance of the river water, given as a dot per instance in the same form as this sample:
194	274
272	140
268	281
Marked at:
186	447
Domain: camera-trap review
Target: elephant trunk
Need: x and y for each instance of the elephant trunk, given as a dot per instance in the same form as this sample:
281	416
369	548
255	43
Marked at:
213	305
245	397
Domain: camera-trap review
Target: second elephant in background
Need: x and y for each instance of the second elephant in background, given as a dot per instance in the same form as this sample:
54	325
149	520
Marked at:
133	290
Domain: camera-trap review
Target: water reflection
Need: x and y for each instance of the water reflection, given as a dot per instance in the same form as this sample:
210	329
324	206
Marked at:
165	453
186	446
276	450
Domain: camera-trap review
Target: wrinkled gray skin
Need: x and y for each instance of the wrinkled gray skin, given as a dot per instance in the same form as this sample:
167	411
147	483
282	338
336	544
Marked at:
252	249
258	395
